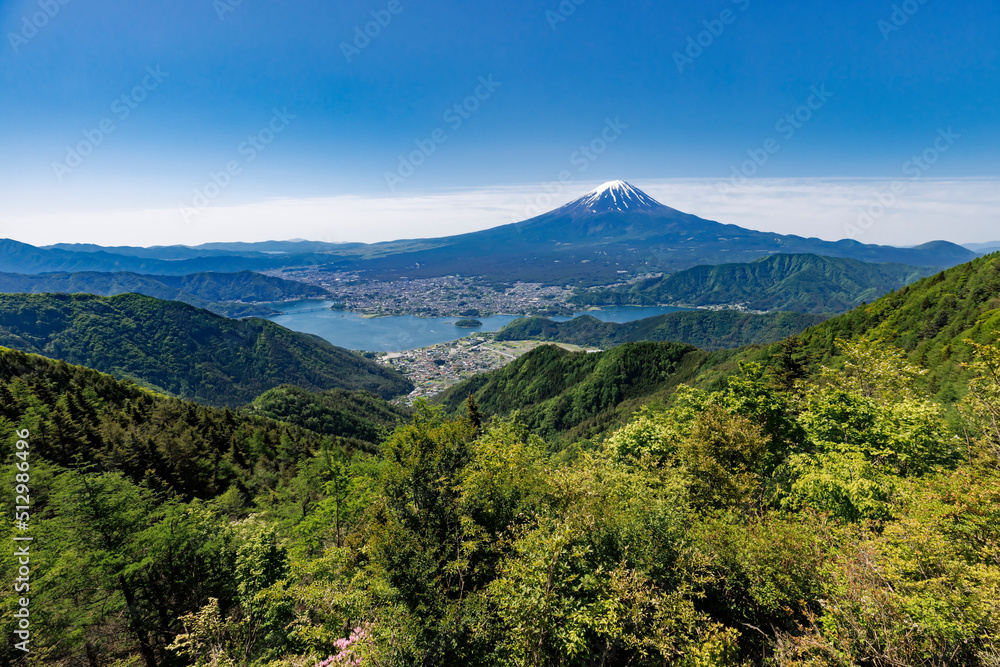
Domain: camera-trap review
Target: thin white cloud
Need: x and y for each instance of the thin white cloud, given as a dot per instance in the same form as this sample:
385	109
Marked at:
959	210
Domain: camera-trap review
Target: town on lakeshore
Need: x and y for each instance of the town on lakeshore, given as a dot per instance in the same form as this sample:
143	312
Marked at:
438	367
447	296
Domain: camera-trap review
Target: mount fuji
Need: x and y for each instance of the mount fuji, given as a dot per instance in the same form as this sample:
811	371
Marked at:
614	196
613	230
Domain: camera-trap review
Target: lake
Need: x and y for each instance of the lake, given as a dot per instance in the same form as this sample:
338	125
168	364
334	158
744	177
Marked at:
408	332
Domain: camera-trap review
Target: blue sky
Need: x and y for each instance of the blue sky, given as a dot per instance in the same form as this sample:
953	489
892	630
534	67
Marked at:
231	104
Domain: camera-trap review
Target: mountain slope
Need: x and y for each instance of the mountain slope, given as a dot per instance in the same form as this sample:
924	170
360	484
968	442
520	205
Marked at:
617	228
77	416
184	351
353	415
930	319
992	246
714	330
569	395
224	294
797	283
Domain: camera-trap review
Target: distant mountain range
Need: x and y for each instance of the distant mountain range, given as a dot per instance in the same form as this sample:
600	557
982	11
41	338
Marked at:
618	228
794	283
709	330
983	248
175	252
17	257
184	351
222	293
614	229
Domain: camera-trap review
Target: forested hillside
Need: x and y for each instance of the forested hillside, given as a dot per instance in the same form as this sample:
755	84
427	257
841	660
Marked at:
709	330
784	521
80	418
356	415
930	320
796	283
184	351
226	294
135	500
568	395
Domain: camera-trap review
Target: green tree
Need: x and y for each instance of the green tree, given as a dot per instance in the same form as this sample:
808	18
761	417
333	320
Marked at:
866	425
723	460
982	405
790	366
100	519
418	539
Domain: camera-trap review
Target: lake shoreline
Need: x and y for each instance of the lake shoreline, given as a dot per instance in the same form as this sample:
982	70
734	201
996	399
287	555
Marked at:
399	333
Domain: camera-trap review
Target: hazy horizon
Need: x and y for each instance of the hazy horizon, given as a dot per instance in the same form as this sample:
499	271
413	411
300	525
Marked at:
831	209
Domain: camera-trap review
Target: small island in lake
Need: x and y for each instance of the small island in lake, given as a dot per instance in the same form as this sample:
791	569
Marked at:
468	324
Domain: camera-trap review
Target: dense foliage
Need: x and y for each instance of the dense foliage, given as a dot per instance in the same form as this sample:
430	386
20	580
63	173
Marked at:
565	396
184	351
355	415
226	294
79	417
828	520
929	319
709	330
795	283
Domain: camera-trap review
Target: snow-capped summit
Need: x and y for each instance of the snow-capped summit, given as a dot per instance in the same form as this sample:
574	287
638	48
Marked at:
614	196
